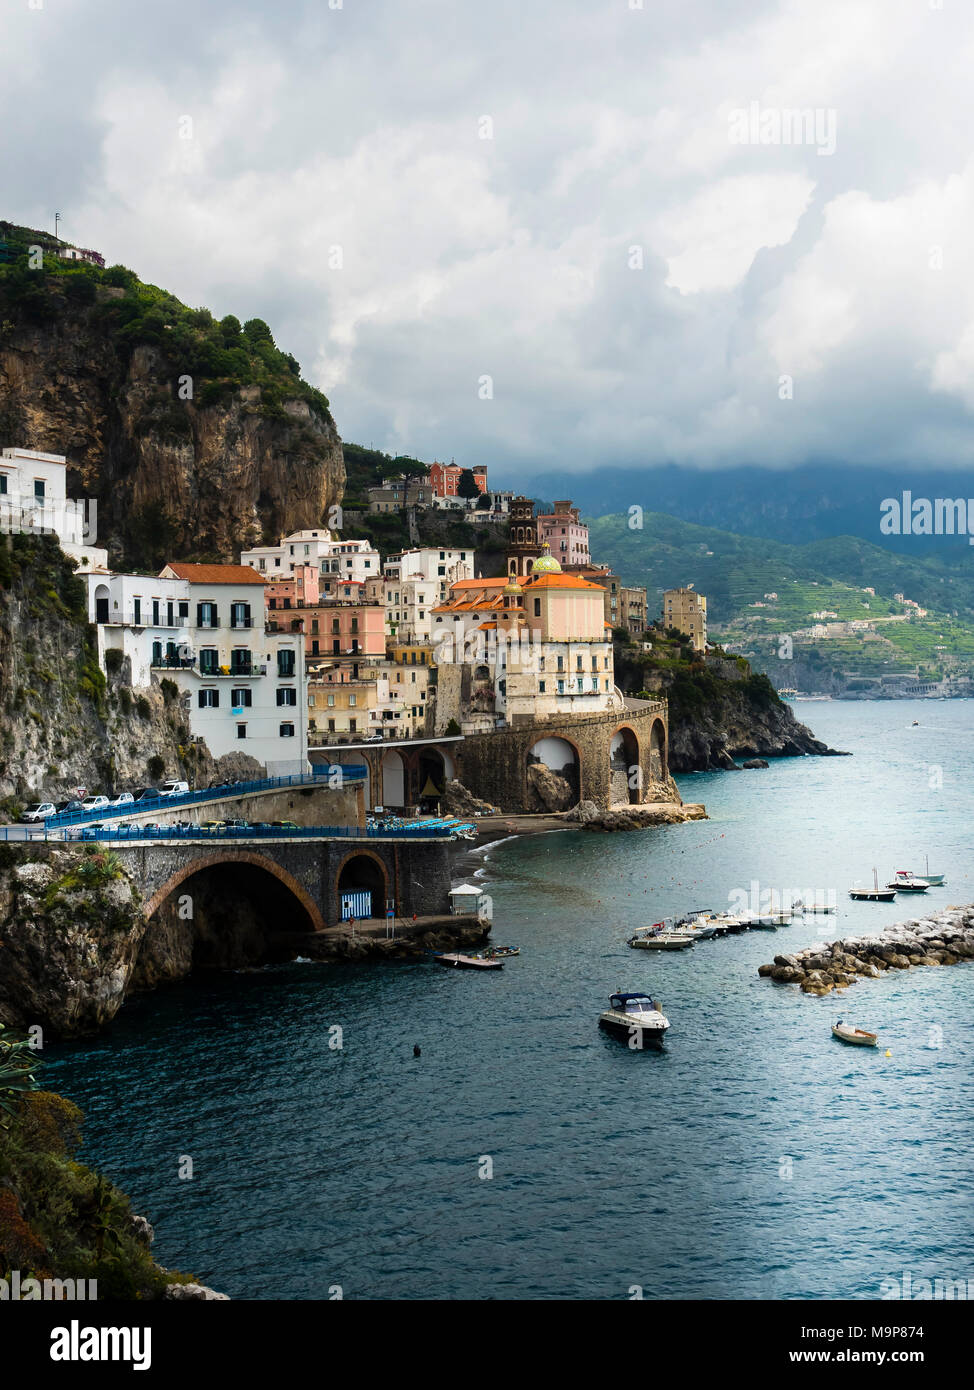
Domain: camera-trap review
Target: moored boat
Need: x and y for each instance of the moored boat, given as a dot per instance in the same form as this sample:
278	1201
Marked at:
497	952
904	881
847	1033
459	961
660	937
637	1018
935	880
874	894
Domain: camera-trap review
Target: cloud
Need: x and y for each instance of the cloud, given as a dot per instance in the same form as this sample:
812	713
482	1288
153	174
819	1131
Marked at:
327	170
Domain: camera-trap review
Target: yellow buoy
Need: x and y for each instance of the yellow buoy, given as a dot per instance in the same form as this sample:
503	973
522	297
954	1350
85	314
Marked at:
888	1053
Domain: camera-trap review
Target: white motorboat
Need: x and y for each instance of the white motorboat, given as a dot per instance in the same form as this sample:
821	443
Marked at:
714	923
635	1017
904	881
659	937
814	907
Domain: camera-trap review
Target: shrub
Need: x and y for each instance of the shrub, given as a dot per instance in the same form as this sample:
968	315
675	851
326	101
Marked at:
156	766
143	707
170	690
114	657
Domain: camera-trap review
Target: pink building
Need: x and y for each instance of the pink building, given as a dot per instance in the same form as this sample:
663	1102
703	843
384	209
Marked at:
566	534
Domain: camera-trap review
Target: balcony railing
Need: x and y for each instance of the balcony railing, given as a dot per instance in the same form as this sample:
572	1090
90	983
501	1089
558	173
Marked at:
129	618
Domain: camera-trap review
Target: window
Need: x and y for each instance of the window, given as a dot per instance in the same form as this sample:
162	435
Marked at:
40	488
285	662
314	647
183	607
206	615
352	726
209	661
561	687
242	698
286	731
331	726
353	700
287	695
311	702
241	731
314	624
209	699
537	608
3	484
541	687
331	701
157	654
240	615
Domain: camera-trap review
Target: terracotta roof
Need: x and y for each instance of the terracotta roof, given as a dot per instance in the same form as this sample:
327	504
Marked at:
212	574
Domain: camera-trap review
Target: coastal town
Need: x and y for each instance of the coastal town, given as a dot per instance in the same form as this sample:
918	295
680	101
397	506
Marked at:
318	649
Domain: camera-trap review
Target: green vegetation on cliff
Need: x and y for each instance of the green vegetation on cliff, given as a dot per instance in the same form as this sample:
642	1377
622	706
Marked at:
221	356
61	1220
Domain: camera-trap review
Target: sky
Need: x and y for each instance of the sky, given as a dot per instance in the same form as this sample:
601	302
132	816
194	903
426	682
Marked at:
551	234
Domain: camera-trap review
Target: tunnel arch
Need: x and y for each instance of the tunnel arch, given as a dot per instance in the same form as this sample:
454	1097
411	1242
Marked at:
259	861
362	871
657	752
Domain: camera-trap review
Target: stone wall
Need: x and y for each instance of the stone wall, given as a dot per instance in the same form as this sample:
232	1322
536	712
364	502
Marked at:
308	805
494	766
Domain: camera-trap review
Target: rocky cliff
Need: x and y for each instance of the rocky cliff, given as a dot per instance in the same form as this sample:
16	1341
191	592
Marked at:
63	725
719	710
195	438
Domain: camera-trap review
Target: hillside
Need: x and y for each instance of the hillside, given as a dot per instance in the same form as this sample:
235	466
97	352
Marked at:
738	573
195	437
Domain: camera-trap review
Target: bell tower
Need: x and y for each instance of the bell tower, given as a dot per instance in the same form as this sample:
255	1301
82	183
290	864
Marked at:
523	545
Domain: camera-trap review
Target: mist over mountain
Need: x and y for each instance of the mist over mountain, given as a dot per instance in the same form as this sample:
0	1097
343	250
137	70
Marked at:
808	503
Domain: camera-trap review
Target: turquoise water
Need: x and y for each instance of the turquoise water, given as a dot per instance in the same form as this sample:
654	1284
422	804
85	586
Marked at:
754	1157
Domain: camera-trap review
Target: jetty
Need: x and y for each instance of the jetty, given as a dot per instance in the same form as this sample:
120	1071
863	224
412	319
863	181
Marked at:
942	938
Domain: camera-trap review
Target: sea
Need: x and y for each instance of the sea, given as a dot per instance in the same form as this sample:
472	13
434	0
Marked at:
285	1142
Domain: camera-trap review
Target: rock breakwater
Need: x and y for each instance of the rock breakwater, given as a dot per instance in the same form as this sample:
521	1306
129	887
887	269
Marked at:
942	938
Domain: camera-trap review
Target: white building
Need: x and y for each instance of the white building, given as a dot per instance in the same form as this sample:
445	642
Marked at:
33	499
246	687
141	615
335	559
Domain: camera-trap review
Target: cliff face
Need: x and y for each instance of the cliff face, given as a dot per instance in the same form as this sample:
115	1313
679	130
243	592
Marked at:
239	462
719	710
63	726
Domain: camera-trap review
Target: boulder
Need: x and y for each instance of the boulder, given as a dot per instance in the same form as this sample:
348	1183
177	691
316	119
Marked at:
755	762
547	790
198	1292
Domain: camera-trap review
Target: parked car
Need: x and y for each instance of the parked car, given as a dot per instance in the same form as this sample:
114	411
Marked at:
212	824
68	808
39	810
237	825
174	788
145	794
123	799
284	824
94	803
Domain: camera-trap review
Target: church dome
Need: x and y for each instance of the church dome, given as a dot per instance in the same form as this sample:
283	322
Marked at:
545	563
512	586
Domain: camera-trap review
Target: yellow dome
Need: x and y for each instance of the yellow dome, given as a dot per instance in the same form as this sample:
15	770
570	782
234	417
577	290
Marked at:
512	586
545	563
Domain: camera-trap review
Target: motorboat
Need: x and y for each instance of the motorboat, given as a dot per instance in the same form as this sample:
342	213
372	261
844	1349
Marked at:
459	961
706	922
875	894
846	1033
498	952
767	919
803	907
660	937
635	1017
904	881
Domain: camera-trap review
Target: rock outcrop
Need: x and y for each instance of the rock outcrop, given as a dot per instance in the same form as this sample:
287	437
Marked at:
547	790
587	816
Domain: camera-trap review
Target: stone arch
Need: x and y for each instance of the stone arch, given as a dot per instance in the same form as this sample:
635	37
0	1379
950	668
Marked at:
362	870
561	756
657	751
259	861
625	767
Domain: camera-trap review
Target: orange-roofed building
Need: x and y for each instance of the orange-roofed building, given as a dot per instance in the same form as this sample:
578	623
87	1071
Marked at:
532	648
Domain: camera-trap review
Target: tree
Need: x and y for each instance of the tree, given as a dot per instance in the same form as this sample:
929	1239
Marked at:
467	486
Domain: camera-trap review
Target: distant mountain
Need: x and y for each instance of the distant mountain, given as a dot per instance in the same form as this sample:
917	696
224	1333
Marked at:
814	502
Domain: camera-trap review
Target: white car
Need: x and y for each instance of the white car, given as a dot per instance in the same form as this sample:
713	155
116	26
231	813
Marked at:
123	799
94	803
40	810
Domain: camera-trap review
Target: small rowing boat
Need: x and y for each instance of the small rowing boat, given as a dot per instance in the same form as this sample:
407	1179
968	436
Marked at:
845	1032
461	962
